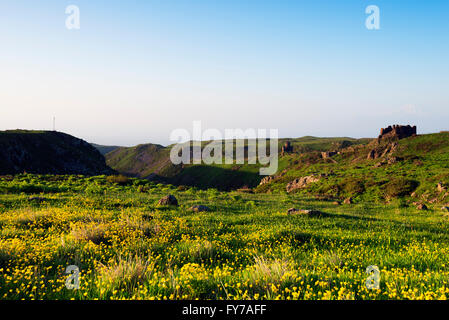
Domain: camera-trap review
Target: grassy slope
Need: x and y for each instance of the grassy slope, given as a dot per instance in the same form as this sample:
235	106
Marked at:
140	161
245	248
424	159
147	160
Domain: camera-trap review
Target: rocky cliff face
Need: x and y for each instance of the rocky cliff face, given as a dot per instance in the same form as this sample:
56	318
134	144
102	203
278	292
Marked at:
48	152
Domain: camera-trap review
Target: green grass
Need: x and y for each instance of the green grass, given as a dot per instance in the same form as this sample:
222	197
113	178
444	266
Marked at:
247	247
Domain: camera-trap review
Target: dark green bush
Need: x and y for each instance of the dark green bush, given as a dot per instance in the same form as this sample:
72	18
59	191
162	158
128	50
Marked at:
400	187
353	186
119	179
143	189
263	188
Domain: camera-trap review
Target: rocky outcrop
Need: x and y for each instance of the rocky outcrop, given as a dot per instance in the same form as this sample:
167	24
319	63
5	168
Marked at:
388	160
303	182
328	154
269	179
422	206
380	151
441	187
286	148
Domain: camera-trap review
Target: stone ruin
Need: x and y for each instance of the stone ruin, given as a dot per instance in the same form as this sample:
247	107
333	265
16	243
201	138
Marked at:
328	154
286	148
386	144
397	131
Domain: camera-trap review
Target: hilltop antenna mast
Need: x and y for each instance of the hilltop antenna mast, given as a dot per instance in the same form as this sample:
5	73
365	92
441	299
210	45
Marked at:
54	123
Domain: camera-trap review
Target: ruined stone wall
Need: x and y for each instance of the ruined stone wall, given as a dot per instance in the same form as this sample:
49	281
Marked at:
397	131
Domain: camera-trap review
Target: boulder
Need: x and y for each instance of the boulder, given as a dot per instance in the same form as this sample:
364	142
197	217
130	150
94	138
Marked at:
422	206
379	164
38	199
266	180
169	200
199	208
313	213
393	160
303	182
310	213
269	179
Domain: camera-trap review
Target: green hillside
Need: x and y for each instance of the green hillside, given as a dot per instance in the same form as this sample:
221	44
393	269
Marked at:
414	168
153	161
144	161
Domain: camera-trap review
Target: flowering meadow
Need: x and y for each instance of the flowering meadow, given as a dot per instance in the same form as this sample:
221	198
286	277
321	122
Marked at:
126	246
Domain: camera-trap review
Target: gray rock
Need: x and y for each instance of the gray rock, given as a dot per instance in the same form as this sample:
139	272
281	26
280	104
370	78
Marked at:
37	199
313	213
169	200
303	182
310	213
199	208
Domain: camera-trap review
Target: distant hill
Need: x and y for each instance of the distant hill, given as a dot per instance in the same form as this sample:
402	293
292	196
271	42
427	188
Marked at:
104	149
48	152
395	164
143	161
152	161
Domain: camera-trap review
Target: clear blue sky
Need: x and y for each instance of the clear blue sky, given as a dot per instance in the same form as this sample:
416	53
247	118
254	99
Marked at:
136	70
